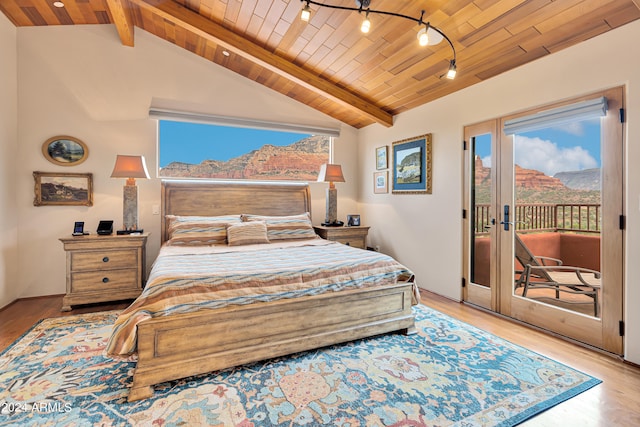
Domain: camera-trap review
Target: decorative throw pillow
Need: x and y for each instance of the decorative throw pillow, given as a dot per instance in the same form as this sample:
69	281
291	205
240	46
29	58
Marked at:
175	219
247	233
190	230
198	234
288	227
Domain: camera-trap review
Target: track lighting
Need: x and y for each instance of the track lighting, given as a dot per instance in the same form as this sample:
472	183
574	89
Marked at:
451	74
366	24
423	35
306	13
427	35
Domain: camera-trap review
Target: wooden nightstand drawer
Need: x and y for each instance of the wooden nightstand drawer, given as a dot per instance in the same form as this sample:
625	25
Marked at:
356	242
104	268
352	236
100	280
82	261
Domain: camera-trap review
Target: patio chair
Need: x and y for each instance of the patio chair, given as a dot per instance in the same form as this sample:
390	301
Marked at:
542	272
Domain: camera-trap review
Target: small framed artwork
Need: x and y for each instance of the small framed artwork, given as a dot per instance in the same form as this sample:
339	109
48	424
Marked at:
412	165
353	220
380	182
381	158
65	150
63	189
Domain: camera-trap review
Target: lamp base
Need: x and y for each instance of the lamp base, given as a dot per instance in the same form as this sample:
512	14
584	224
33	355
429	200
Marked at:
332	206
333	224
130	207
126	232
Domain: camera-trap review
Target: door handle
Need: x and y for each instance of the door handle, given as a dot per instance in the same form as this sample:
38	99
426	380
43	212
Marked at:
505	220
488	226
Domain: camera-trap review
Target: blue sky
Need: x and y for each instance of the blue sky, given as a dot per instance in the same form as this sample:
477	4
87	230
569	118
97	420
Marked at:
193	142
575	146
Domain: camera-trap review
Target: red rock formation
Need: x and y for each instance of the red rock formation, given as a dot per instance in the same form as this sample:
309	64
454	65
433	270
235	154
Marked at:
482	174
525	178
536	180
298	161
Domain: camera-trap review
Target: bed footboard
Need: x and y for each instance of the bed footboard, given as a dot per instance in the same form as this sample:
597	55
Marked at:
180	346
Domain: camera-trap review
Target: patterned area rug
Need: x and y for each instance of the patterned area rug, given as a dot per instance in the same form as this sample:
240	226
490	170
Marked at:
449	374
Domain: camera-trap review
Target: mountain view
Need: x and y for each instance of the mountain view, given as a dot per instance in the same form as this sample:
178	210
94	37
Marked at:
588	179
298	161
533	186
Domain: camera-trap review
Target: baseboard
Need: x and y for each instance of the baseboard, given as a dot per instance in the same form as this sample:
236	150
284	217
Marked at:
29	298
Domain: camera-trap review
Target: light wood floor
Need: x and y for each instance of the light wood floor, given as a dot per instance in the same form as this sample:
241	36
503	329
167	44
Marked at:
615	402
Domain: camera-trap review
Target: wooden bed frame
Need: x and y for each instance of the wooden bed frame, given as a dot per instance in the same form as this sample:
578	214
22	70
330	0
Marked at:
183	345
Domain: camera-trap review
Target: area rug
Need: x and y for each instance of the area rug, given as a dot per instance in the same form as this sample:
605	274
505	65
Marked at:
449	374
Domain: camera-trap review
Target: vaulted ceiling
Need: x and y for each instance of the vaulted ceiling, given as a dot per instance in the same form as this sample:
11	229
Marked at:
327	63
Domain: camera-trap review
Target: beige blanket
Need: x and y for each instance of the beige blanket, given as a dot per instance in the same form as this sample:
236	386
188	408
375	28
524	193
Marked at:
187	279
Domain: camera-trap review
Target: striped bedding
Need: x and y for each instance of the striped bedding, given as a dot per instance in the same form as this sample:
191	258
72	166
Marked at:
187	279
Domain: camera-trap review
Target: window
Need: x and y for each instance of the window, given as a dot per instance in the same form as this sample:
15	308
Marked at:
558	173
199	149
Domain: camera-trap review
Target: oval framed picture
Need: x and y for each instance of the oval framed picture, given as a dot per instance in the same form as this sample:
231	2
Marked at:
65	150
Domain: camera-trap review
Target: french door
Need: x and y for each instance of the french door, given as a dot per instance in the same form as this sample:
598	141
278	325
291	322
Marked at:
543	229
480	268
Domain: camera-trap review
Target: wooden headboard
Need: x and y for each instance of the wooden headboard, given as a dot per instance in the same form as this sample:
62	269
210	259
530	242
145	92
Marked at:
210	198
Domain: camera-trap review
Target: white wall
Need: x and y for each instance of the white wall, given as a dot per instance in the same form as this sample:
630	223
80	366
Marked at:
80	81
9	147
424	231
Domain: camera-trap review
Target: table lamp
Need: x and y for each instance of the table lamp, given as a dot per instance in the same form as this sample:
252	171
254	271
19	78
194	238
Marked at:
331	173
130	167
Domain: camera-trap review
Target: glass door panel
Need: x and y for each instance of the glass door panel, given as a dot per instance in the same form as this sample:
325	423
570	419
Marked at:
557	214
561	247
481	212
480	231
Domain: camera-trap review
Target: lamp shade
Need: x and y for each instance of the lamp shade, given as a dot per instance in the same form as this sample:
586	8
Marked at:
130	167
330	173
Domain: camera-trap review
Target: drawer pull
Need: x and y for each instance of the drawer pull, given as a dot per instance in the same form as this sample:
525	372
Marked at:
105	259
105	279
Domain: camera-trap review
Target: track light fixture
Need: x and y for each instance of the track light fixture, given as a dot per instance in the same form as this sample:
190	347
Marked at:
423	35
306	13
366	24
451	74
428	35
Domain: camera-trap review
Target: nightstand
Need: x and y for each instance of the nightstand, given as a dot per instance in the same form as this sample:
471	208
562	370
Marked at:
351	236
104	268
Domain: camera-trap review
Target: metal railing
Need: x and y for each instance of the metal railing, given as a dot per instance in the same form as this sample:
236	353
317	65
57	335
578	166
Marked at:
584	217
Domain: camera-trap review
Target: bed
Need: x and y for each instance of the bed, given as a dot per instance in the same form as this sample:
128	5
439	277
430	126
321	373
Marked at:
181	343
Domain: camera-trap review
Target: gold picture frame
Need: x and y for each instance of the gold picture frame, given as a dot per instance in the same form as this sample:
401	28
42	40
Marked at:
63	189
64	150
412	165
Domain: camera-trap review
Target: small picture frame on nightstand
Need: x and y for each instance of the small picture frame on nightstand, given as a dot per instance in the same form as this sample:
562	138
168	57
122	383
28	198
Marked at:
353	220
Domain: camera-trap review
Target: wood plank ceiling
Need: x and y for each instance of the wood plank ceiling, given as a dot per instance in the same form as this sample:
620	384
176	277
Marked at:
328	63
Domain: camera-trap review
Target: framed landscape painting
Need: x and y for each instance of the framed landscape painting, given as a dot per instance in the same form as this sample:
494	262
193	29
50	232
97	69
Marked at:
412	165
65	150
381	158
63	189
380	185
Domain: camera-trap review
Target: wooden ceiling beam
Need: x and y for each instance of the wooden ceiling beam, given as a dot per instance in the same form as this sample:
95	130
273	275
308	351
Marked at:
122	17
203	27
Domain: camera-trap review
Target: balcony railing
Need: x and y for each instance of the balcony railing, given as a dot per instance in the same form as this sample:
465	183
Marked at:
582	217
